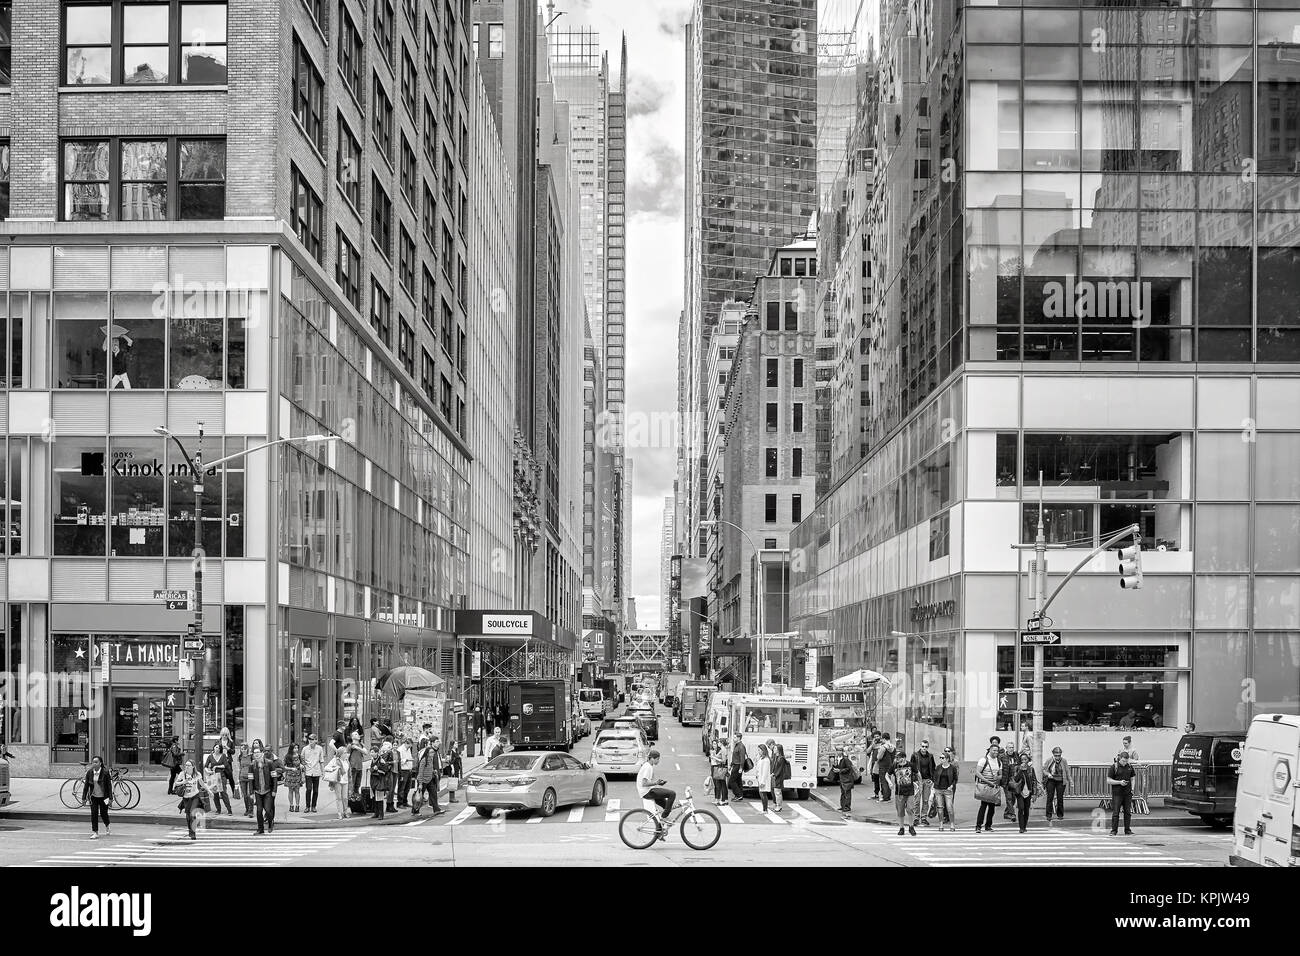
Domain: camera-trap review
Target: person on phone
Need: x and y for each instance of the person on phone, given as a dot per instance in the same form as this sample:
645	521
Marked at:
217	766
885	756
191	788
313	765
780	774
718	769
1121	794
842	771
649	786
1056	779
1024	784
738	757
96	789
763	770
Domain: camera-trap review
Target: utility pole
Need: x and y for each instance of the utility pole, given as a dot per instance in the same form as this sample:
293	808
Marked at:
1040	603
196	628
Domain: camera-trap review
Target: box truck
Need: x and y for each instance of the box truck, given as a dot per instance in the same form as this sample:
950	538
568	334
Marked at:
539	713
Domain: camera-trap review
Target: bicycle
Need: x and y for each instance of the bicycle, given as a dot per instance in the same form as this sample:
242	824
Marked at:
640	829
125	794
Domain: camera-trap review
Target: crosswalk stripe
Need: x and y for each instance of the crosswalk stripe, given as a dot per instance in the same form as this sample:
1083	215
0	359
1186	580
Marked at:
459	818
768	814
575	815
730	814
535	818
613	810
803	811
213	848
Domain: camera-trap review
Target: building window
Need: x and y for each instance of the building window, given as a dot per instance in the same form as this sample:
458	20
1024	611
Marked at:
448	176
792	317
430	134
448	323
308	95
381	313
444	398
460	417
430	48
448	98
429	215
406	175
769	509
796	463
773	372
429	300
6	43
939	536
381	217
796	508
347	270
770	459
381	124
412	10
348	164
406	347
385	28
798	373
144	180
4	181
797	417
406	260
307	214
462	351
446	251
774	317
769	543
496	40
771	416
428	373
317	10
145	43
350	52
409	83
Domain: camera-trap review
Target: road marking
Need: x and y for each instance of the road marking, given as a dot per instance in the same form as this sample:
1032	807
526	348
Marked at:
460	817
802	811
536	818
771	815
414	823
613	811
575	815
677	766
731	815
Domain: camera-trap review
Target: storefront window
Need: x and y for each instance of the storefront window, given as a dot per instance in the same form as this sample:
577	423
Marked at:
136	488
80	497
180	503
68	697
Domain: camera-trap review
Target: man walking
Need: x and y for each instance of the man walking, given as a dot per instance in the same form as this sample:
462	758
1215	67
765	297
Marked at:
431	772
923	771
738	757
871	763
1121	794
842	768
945	791
262	778
885	764
313	767
1056	780
1010	764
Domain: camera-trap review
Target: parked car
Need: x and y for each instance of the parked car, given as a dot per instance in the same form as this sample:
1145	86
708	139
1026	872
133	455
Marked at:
1266	826
542	781
620	751
1204	771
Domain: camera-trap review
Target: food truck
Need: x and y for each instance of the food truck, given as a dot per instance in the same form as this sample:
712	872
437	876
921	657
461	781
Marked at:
844	719
788	720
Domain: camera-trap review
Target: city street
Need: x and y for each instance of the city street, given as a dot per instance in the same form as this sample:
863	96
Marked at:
807	834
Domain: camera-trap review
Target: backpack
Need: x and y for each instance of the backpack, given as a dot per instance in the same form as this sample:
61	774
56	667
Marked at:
903	784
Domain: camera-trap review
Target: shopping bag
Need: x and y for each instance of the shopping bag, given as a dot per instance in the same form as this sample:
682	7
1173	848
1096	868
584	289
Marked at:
416	798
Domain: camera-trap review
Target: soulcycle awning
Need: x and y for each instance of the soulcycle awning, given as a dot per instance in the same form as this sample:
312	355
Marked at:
510	629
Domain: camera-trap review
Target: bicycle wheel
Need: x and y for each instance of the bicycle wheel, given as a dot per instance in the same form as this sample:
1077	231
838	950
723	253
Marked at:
121	796
70	794
637	829
135	794
700	830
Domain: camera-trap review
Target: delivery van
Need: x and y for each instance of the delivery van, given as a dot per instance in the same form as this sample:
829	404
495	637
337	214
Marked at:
1266	826
593	702
1204	771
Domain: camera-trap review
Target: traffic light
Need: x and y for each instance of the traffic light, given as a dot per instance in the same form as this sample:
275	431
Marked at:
1130	566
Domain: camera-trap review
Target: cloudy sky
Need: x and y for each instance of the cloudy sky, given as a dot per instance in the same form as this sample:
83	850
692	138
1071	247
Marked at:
656	143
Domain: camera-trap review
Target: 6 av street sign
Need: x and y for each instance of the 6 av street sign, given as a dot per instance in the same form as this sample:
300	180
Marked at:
177	599
1040	637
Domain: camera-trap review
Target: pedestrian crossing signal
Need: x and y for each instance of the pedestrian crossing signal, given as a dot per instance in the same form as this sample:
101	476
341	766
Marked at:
1130	566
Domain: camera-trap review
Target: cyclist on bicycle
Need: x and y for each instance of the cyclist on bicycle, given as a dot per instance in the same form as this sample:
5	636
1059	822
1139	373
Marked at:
650	787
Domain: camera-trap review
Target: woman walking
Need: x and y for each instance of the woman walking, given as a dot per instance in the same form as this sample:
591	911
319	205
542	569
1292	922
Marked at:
1024	784
718	770
293	777
780	774
763	771
171	759
335	774
192	791
313	765
381	765
945	791
96	789
217	765
227	743
405	771
245	767
452	771
988	785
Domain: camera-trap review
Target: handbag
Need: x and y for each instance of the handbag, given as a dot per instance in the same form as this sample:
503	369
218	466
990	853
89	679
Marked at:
205	800
749	765
986	792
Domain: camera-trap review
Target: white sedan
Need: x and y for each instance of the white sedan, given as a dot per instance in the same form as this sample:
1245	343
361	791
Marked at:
620	751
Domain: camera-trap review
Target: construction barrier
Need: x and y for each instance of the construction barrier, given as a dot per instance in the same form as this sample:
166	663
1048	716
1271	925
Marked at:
1150	780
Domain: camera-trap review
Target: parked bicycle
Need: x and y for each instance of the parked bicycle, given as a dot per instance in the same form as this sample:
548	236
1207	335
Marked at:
700	829
125	795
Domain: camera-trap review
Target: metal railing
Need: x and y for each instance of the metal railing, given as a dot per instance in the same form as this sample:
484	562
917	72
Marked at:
1151	780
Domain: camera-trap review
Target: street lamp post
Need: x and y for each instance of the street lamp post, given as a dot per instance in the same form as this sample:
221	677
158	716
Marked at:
195	463
762	642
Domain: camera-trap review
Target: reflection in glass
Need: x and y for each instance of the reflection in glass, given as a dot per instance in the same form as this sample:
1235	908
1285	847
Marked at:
80	496
136	486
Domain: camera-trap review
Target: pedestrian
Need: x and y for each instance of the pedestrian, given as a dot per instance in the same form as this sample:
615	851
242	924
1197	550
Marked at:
496	743
263	777
842	770
217	766
171	759
96	790
871	764
1056	780
227	743
452	770
945	791
1120	779
1024	784
245	762
885	764
356	764
428	774
763	771
194	795
923	769
405	771
1010	759
372	735
905	789
988	787
313	765
739	758
1126	745
353	728
1189	728
390	795
381	766
293	777
336	775
780	774
718	761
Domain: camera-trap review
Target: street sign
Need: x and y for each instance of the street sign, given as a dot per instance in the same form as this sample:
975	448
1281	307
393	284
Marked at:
1035	622
1014	699
177	699
1040	637
176	599
193	643
476	665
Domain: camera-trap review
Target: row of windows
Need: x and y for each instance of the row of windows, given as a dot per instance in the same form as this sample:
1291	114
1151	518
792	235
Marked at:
773	373
773	417
175	41
772	463
770	509
142	179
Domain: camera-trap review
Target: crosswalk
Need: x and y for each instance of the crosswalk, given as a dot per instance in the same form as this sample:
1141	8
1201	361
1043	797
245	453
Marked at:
744	813
1007	848
213	848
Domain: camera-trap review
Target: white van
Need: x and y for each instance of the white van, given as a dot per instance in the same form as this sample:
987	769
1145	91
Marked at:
593	702
1266	826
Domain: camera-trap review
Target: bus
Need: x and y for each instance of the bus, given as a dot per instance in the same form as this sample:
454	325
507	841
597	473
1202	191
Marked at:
844	719
695	702
788	720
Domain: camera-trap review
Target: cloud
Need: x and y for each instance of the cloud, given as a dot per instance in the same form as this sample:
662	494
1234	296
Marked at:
655	180
646	95
671	25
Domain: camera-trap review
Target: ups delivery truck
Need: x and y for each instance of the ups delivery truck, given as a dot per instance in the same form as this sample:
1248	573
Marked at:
539	714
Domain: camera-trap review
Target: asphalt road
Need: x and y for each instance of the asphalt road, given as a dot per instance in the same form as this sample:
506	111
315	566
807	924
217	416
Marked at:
806	835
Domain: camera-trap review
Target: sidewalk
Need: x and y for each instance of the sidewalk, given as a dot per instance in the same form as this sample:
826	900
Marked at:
1078	811
37	798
